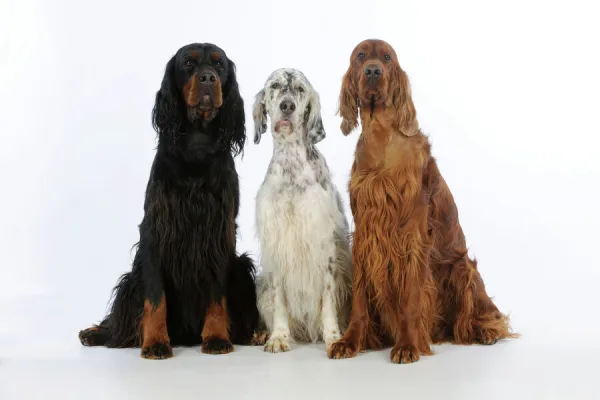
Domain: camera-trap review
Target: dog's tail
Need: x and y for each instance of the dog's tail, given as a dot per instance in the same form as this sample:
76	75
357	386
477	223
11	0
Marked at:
241	300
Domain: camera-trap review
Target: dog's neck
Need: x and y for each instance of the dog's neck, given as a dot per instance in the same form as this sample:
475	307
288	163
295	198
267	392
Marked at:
382	146
298	141
300	149
196	141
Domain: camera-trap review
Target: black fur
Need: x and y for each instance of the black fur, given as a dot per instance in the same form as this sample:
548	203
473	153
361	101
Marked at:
187	246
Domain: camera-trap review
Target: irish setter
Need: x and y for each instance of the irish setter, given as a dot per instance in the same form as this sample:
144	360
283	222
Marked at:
414	283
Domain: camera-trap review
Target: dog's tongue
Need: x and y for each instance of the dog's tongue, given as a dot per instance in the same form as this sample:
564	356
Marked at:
281	124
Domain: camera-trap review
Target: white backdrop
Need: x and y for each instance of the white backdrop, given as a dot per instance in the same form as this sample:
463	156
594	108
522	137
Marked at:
508	93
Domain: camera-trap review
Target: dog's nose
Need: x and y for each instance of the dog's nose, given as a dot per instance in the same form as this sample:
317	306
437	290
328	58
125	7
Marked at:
373	72
287	106
208	78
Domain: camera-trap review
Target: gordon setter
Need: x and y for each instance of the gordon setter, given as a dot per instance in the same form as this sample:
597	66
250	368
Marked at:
188	285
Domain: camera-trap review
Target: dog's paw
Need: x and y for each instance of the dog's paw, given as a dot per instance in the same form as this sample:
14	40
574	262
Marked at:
277	344
331	338
341	349
157	351
487	336
216	345
94	336
259	338
404	355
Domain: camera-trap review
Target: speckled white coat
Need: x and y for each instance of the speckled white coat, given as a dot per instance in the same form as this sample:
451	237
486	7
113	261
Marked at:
304	291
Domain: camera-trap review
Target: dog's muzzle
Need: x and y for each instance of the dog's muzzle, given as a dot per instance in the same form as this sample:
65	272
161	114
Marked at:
203	90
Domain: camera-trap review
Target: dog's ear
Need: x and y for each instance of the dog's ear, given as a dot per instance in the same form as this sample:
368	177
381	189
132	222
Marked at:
314	122
167	114
231	117
406	115
348	102
259	114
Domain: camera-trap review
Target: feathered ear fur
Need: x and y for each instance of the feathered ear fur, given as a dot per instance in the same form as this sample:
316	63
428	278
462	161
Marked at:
348	103
231	119
259	114
314	122
167	114
406	115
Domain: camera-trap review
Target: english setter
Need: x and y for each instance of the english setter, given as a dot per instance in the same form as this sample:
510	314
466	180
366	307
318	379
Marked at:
304	291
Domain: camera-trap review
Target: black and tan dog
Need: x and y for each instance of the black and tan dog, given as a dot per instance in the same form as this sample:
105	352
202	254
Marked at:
187	285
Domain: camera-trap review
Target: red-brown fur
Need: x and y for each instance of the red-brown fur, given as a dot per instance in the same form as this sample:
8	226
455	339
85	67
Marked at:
414	283
155	338
216	329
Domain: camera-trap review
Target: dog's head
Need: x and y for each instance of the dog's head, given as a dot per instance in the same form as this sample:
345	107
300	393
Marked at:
374	80
200	87
293	106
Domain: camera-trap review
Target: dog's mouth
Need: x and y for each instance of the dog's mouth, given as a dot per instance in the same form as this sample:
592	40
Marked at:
283	125
373	95
205	103
204	109
372	98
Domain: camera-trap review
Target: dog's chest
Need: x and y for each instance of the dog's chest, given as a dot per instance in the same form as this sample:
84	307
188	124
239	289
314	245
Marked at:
191	208
289	177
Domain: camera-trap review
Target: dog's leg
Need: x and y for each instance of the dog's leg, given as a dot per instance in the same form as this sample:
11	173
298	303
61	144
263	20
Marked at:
156	344
155	338
477	318
406	325
354	338
410	317
329	314
280	337
215	334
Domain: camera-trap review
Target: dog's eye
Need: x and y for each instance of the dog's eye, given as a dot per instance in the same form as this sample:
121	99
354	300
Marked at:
218	65
300	89
275	85
188	64
387	58
361	56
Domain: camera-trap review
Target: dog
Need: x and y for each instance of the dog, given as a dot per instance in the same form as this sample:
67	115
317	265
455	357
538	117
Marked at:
187	284
304	291
414	283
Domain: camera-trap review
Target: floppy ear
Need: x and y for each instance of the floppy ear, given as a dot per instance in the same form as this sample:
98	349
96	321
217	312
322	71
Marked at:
314	122
259	114
231	118
167	114
406	114
348	103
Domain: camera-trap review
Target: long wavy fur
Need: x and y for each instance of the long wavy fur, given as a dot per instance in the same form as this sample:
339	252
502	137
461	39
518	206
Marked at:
187	246
414	283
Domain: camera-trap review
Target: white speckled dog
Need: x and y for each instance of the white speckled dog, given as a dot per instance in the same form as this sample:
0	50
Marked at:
304	291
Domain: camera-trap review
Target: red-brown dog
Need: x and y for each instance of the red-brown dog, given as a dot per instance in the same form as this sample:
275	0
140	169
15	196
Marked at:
414	283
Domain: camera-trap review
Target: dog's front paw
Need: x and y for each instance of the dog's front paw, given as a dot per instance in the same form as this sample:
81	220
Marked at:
331	338
341	349
404	355
216	345
277	344
157	351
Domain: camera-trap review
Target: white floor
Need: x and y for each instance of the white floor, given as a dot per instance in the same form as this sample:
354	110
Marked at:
40	357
